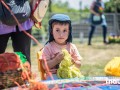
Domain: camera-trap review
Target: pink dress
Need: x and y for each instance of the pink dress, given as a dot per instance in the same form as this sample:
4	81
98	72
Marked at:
52	48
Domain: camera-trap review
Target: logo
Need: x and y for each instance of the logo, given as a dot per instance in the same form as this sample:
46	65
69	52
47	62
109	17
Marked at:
112	81
16	9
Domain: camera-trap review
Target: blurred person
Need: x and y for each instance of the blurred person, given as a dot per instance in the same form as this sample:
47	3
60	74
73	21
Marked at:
97	18
20	41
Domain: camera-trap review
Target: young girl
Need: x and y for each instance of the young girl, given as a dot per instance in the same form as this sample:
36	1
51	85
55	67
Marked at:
60	36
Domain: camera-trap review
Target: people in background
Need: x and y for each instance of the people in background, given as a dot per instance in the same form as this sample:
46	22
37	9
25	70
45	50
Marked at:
97	18
20	41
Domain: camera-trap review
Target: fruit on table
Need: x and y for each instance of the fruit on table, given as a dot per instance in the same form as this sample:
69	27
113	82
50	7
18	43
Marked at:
66	68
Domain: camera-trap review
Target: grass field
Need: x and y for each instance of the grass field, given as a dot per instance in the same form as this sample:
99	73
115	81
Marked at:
95	57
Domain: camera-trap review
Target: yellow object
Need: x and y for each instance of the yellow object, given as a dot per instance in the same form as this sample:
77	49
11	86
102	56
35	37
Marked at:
66	68
40	67
101	9
113	67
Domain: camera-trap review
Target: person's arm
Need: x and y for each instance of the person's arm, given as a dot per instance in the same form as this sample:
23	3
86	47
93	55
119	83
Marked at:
77	63
76	58
92	11
51	62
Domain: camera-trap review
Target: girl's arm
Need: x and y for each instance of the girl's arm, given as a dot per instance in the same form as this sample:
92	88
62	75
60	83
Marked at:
76	58
77	63
54	61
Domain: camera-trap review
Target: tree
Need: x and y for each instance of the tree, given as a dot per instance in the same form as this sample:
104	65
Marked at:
113	6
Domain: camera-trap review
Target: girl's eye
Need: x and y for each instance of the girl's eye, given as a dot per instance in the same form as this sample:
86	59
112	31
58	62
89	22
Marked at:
57	30
64	30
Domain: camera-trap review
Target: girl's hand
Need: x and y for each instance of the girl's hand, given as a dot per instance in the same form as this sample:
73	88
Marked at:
76	62
52	62
59	56
54	71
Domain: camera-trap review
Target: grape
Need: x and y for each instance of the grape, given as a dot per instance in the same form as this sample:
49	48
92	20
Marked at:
66	68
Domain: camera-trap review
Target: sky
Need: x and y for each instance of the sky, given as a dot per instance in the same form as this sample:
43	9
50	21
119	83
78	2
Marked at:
76	3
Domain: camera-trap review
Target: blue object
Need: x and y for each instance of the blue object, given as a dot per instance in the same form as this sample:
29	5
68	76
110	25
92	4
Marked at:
60	17
106	87
76	88
110	87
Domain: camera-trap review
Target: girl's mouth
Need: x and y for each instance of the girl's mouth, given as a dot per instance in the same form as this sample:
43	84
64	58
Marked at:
60	38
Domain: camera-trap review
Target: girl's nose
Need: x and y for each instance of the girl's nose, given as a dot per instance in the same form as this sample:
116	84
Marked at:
61	34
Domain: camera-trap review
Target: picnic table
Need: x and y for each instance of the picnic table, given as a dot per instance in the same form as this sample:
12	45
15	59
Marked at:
87	83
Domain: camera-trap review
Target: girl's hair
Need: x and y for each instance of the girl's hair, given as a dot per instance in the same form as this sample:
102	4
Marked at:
61	19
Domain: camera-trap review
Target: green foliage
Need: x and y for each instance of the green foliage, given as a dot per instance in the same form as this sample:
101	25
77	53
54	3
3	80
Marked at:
86	9
59	7
62	7
112	6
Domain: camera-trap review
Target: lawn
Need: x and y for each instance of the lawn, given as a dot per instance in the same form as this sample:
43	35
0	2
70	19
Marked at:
95	57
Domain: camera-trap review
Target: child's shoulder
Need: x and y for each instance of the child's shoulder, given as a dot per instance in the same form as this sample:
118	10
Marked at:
72	44
47	47
49	44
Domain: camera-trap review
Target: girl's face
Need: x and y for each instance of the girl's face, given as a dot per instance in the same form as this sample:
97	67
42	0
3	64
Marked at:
60	33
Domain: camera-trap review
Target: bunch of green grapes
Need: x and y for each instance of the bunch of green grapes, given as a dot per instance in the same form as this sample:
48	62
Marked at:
66	68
